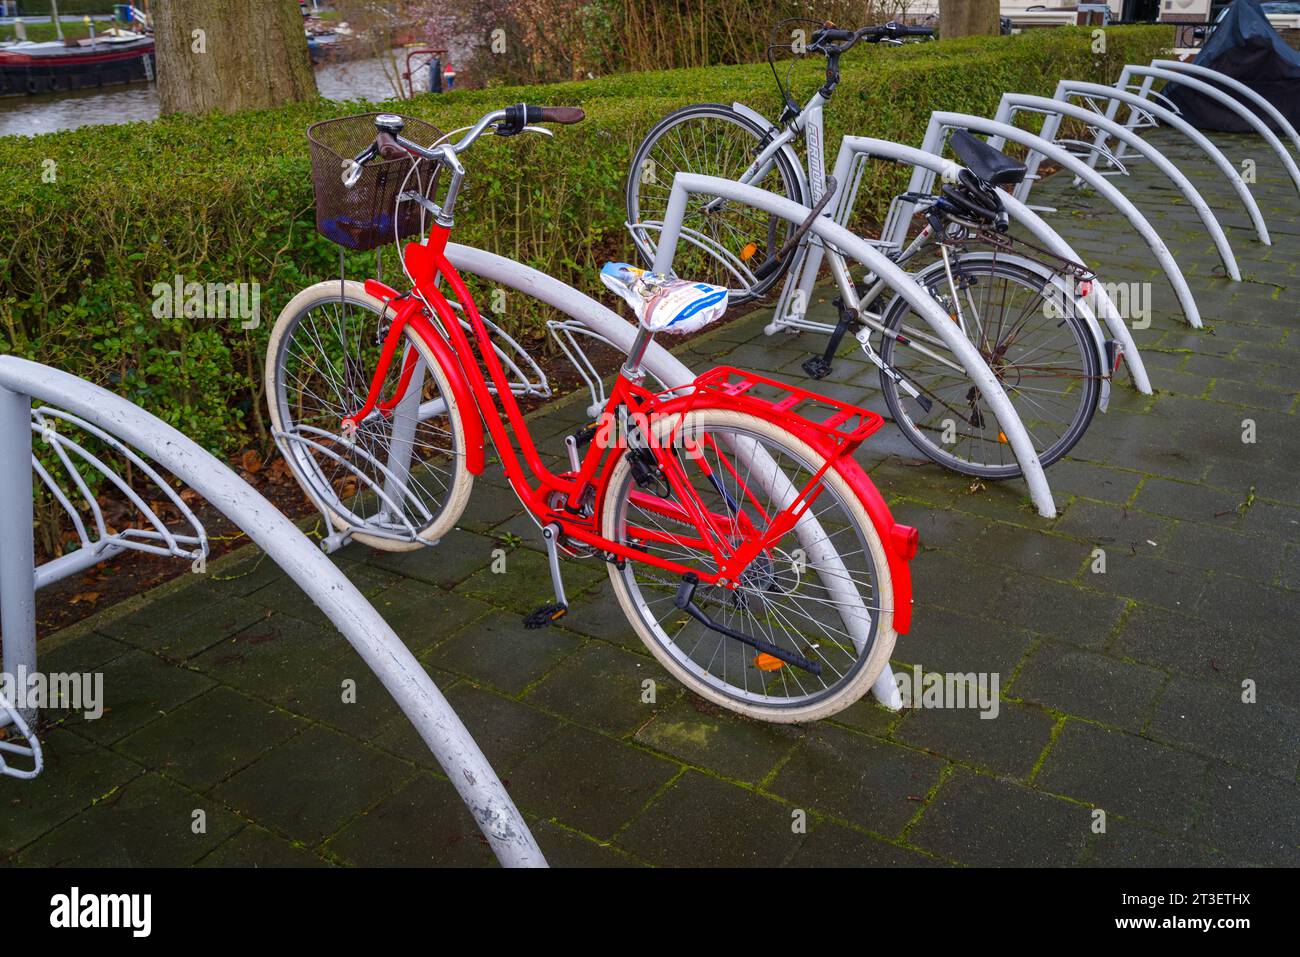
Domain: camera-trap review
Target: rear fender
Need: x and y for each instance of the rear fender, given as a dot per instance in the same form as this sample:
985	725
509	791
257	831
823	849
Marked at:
899	541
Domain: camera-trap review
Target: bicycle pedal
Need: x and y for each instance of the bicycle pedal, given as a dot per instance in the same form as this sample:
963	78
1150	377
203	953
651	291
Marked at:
818	367
546	615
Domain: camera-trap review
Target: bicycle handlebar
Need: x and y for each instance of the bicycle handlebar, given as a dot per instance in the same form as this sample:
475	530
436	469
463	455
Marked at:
832	40
390	144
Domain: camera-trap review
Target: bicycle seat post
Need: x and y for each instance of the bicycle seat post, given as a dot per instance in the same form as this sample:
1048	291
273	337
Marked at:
632	367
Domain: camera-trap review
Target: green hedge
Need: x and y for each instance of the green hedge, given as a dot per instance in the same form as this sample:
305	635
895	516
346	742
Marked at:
227	198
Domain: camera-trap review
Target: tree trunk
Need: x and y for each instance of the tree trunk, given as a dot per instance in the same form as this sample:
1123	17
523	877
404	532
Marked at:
232	55
964	18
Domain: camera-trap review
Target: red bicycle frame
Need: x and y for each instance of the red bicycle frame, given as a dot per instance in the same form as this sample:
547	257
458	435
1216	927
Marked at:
541	490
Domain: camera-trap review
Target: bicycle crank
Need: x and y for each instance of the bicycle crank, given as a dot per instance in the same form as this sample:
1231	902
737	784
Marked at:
549	614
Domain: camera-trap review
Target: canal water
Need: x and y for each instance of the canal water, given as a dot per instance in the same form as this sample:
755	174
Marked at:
28	115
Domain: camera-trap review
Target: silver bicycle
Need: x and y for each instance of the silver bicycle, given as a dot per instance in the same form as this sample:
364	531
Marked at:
1018	304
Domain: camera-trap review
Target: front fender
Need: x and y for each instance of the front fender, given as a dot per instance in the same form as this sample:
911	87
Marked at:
470	420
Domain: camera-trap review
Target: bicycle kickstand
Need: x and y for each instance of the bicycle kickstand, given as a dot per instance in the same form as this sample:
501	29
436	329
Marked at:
818	367
550	613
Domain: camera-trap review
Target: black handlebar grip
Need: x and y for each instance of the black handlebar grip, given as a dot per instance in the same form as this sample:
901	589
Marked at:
834	35
388	146
566	115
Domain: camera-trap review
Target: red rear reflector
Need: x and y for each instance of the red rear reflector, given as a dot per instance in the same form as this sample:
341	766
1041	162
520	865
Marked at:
906	541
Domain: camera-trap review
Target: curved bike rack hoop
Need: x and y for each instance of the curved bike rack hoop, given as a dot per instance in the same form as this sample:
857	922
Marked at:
607	326
397	669
998	133
1096	91
1236	86
857	248
1150	74
803	272
852	147
1054	110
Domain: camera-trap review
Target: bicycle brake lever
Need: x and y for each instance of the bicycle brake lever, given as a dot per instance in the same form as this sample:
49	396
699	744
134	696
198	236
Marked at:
353	167
537	129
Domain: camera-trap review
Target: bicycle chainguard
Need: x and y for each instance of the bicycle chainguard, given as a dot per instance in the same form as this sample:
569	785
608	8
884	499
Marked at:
685	600
551	613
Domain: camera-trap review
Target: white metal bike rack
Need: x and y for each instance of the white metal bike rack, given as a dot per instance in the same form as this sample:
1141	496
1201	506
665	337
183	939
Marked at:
1150	74
941	123
1053	111
854	247
69	402
607	326
854	152
1215	76
1144	113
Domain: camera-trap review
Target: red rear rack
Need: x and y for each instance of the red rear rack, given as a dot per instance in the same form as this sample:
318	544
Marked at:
806	413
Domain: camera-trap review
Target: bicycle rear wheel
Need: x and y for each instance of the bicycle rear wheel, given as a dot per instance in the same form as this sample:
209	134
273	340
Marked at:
822	591
1033	340
402	482
713	140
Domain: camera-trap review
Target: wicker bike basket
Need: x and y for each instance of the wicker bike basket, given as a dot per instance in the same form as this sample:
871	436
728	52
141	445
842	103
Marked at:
363	217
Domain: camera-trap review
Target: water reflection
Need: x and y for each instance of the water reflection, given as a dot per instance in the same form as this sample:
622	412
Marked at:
29	115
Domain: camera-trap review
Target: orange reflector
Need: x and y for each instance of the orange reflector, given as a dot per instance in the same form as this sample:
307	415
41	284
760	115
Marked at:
765	662
1002	437
747	253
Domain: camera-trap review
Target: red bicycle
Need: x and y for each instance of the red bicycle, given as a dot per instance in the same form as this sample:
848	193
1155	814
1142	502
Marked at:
751	554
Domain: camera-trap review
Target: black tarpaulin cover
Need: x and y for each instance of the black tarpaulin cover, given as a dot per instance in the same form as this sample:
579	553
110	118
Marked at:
1246	47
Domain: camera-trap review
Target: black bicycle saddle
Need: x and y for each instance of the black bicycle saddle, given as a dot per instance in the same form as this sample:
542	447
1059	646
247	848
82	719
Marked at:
993	167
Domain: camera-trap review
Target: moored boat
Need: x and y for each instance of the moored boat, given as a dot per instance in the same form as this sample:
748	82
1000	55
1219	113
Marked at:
57	66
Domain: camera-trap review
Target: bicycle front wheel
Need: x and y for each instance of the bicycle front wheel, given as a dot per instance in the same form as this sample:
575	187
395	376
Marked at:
1033	340
725	239
822	591
401	481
